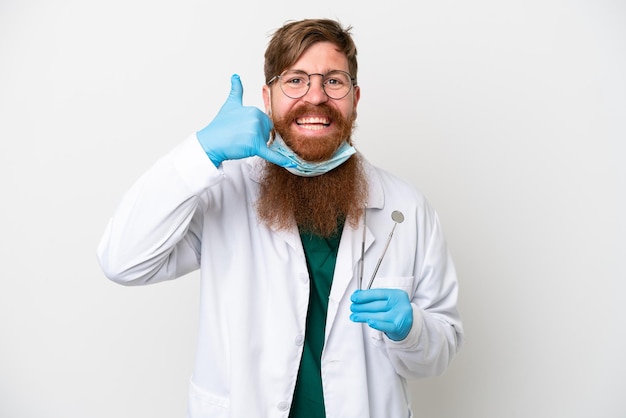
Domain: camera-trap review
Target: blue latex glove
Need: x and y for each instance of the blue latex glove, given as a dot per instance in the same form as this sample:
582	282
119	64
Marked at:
387	310
238	131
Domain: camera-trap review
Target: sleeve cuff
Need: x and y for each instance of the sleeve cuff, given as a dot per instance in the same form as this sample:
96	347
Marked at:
412	338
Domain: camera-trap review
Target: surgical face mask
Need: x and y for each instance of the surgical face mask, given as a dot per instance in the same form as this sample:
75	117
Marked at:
304	168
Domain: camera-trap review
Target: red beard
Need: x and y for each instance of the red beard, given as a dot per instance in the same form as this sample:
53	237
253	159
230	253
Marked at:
317	204
320	148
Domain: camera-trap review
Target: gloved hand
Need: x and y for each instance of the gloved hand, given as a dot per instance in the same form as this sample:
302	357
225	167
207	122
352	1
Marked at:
387	310
238	131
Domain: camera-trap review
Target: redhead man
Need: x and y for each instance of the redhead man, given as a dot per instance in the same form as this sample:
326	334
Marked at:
326	282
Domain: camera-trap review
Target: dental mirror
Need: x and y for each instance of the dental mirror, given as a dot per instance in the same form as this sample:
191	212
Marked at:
397	217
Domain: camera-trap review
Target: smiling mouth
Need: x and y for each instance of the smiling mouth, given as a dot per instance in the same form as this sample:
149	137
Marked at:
313	123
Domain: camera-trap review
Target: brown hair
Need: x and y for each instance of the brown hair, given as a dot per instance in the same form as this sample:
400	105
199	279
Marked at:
292	39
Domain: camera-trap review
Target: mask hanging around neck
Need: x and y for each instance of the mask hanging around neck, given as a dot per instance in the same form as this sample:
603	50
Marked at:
305	168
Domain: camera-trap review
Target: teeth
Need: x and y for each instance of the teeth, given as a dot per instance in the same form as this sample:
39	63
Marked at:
316	120
313	127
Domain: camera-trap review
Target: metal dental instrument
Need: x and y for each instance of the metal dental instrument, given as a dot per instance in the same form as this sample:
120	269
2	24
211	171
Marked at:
397	218
362	249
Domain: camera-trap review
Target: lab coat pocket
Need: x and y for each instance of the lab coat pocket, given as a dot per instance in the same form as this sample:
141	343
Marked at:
394	282
203	404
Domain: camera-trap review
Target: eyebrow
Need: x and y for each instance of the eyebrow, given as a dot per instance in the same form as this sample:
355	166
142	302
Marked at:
323	73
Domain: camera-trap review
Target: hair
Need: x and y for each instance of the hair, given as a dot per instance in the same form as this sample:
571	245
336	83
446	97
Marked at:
290	41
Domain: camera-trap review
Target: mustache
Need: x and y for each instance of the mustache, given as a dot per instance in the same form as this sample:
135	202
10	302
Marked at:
305	109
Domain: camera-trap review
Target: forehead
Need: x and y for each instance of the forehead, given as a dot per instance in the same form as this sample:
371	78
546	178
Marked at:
321	57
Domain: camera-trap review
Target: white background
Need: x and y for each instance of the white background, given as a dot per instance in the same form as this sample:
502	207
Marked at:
509	115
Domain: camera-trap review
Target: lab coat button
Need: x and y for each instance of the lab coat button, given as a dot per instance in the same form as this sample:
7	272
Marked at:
283	406
300	339
304	277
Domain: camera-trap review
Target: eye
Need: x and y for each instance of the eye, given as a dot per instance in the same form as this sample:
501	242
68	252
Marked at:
295	79
336	79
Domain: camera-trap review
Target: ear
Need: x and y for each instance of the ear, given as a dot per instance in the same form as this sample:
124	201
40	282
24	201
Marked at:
355	100
267	99
357	96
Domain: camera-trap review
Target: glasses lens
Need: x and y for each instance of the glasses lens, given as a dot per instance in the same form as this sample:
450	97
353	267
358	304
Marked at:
294	84
337	84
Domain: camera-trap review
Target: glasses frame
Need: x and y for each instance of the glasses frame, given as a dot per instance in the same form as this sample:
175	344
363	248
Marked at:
308	84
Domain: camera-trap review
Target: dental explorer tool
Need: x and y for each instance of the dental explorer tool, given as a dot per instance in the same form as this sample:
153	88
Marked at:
363	249
397	218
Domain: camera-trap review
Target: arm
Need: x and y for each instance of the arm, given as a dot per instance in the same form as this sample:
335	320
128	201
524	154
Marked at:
155	233
422	332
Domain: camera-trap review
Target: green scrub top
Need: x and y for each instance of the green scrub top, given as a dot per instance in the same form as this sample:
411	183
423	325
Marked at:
321	255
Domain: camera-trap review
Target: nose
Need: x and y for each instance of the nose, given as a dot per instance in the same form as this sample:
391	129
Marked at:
316	93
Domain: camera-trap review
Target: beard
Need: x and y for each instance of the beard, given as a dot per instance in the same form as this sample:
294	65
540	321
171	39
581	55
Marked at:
321	204
323	147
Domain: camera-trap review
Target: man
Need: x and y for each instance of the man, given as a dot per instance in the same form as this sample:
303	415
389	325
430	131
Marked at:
288	238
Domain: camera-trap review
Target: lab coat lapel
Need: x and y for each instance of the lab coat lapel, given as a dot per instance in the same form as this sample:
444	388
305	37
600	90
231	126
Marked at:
291	236
346	274
348	260
347	266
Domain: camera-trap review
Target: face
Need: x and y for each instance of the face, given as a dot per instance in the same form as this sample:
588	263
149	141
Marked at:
314	125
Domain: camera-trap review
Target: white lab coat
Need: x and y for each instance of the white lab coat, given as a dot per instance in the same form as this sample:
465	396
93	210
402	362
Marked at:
184	213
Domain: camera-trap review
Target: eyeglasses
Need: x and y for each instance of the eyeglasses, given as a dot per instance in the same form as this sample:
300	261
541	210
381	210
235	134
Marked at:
295	83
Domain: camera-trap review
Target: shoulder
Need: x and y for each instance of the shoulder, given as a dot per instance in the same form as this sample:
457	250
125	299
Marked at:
385	185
